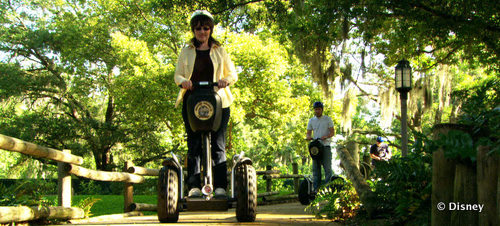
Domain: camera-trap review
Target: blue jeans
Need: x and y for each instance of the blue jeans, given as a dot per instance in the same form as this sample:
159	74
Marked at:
326	162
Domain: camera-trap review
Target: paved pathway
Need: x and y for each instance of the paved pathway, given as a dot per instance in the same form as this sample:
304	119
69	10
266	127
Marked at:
281	214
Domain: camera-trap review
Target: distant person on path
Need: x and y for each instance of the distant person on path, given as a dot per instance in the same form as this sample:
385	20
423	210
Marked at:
204	59
321	126
380	151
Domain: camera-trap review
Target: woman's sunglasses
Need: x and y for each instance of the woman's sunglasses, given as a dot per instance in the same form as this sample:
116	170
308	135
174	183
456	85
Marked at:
204	28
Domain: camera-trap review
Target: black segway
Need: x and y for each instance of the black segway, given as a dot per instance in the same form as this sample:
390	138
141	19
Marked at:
204	109
306	188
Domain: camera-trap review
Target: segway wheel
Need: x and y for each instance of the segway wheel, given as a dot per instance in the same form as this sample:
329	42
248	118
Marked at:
168	196
305	197
246	191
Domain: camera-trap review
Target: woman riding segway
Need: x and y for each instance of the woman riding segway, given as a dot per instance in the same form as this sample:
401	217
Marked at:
205	60
202	65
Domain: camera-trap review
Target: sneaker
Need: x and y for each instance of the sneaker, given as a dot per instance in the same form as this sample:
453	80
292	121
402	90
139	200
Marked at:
220	192
194	192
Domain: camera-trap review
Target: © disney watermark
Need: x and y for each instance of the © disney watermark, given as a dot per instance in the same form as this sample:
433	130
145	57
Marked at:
456	206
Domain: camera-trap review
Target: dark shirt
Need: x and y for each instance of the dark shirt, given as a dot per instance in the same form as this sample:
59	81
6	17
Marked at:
380	151
203	67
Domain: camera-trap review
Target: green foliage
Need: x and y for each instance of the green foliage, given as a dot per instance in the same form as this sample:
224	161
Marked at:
272	101
337	199
457	145
96	77
90	187
480	101
403	184
87	204
27	193
110	204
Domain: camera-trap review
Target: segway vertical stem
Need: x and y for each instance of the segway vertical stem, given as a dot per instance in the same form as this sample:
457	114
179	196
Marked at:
208	181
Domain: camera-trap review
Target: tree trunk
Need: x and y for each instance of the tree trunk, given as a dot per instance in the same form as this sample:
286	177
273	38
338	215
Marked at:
353	149
366	195
487	181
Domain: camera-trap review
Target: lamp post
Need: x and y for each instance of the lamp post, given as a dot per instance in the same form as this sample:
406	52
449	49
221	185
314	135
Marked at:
403	86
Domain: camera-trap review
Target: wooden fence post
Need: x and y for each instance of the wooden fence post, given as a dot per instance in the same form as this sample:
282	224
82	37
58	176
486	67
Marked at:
128	193
443	178
268	181
295	167
63	183
498	191
487	176
465	191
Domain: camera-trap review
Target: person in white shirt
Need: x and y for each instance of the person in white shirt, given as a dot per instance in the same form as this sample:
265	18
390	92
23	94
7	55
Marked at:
321	126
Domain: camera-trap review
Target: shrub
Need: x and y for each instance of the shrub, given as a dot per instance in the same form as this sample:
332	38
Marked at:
27	193
337	199
403	184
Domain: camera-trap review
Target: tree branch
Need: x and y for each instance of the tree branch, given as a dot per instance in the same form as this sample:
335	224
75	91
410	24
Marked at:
232	7
143	161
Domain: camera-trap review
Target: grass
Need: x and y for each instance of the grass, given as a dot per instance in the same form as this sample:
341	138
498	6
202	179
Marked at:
109	204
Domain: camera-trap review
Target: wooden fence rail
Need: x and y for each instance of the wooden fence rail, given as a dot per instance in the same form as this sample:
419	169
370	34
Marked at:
103	175
69	164
10	214
143	171
27	148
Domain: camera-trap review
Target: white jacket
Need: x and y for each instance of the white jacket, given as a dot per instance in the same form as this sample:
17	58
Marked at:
223	68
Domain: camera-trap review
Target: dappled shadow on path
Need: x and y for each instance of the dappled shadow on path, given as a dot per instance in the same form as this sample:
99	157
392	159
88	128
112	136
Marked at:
281	214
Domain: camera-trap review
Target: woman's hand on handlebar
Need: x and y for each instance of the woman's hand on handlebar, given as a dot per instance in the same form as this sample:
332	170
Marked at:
222	83
187	85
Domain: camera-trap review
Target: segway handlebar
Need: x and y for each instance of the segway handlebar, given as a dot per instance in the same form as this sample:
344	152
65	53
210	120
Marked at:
202	84
319	138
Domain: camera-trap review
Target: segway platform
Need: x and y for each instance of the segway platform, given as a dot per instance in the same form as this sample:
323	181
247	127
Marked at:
201	204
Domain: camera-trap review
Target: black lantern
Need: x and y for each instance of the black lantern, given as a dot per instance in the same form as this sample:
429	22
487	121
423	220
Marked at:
403	76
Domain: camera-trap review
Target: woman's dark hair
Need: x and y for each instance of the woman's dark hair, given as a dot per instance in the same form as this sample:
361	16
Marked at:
203	20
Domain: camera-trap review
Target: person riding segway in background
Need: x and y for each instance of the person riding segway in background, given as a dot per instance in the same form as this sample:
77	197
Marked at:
204	59
380	152
320	128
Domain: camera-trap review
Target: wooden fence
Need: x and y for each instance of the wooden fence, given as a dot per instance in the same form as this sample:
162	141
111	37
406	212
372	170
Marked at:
69	164
463	182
